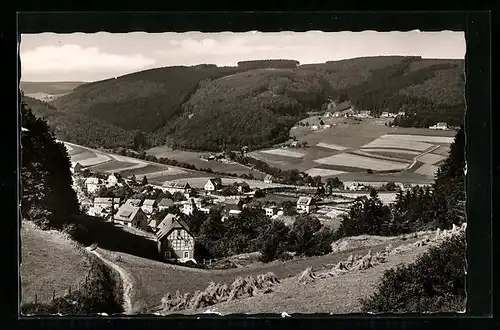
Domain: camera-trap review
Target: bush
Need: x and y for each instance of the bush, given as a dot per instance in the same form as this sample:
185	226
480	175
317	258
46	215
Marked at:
434	283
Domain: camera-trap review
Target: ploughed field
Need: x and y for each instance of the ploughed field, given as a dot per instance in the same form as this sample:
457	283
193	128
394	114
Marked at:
351	149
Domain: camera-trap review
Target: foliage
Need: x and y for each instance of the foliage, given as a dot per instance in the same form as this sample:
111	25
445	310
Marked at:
47	197
289	208
259	193
434	283
81	129
273	240
309	237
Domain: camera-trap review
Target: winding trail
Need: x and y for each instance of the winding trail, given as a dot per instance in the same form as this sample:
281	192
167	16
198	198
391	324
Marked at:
126	280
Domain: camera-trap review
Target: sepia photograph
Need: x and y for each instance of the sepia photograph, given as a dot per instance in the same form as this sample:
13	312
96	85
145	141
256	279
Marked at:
242	173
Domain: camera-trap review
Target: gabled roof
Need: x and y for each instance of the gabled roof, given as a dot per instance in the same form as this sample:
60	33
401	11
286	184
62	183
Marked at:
304	200
269	177
133	202
242	183
169	223
178	185
92	181
106	200
127	213
166	202
149	202
215	181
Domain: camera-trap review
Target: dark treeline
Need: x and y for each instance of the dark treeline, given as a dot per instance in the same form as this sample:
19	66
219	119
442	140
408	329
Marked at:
264	64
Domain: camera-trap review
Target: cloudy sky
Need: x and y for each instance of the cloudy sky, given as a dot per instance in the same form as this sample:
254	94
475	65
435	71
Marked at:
92	57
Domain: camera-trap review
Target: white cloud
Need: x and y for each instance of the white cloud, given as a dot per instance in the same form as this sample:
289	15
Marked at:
70	58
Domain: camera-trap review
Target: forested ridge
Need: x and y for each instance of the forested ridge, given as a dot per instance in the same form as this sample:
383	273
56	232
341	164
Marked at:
254	104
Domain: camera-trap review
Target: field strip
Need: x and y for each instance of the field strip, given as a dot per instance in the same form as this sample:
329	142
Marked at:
382	157
315	171
98	159
330	146
126	280
400	151
284	152
397	144
427	169
169	171
421	138
361	162
430	158
417	157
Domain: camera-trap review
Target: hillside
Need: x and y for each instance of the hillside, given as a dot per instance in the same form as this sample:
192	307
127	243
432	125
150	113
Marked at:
80	129
206	107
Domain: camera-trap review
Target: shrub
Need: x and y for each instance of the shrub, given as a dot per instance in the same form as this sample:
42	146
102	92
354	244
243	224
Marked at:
434	283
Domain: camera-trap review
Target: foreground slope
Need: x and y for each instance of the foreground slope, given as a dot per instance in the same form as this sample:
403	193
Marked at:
50	262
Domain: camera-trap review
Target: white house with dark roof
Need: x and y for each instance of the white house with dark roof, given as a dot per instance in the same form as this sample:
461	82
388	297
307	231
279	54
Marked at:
213	184
271	210
107	202
131	216
305	204
149	206
175	241
173	187
189	206
442	126
230	210
268	179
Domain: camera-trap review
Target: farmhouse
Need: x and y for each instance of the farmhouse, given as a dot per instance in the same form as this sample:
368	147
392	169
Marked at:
175	241
268	179
441	126
189	206
165	203
97	211
230	210
174	187
111	181
105	203
133	202
328	114
362	114
213	184
271	210
384	114
93	184
344	113
305	204
149	206
131	216
314	127
401	113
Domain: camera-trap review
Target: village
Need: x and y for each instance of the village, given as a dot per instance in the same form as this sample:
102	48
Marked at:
153	211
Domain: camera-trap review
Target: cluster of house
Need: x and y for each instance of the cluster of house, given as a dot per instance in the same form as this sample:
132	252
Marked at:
442	126
359	186
387	114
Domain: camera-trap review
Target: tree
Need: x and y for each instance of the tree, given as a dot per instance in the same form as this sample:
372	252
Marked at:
259	193
390	186
369	171
335	183
144	181
273	240
321	122
47	196
178	196
133	180
303	230
288	208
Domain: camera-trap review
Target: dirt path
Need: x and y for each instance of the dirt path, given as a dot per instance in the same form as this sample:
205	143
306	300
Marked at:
126	280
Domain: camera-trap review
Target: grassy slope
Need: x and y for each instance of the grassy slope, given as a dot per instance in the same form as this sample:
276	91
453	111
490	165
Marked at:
153	279
338	295
49	262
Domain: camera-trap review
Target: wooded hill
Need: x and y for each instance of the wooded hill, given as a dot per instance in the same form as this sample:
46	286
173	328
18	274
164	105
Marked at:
206	107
